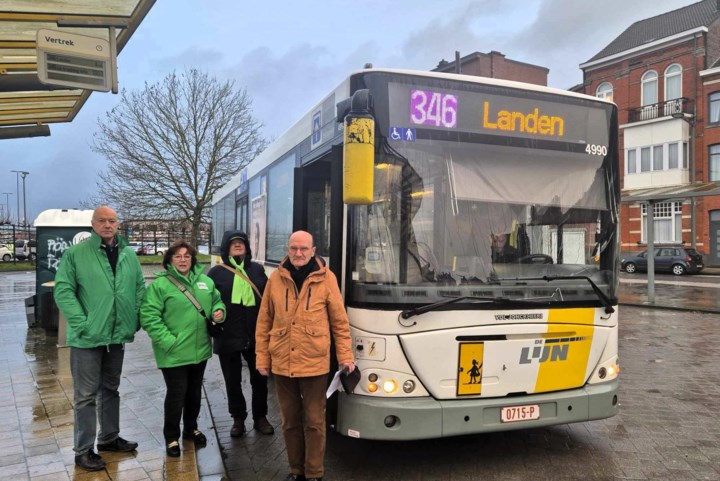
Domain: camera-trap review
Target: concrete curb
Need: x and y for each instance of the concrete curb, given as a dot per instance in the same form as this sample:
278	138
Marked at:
668	308
209	459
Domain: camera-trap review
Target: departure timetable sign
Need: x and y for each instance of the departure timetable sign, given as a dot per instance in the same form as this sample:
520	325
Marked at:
527	115
73	60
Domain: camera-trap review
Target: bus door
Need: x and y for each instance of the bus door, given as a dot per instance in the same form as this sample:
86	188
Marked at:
318	205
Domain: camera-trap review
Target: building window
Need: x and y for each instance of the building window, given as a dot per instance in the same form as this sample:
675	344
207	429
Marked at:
667	217
649	88
631	161
652	158
657	157
645	159
672	156
280	208
714	100
673	82
715	163
605	91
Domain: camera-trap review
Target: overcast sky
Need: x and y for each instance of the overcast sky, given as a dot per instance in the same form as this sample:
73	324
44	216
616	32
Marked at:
289	54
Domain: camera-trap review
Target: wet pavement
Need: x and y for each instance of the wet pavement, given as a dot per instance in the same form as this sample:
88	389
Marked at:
667	427
36	440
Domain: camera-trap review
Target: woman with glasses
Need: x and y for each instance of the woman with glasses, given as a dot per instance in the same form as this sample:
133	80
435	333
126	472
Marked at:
180	339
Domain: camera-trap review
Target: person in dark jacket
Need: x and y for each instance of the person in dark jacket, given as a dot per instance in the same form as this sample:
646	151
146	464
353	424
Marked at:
238	337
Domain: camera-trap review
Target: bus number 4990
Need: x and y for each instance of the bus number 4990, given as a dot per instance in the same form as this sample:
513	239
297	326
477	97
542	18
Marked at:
596	149
520	413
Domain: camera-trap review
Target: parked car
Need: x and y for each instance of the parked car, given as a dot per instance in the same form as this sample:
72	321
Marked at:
137	247
5	253
160	249
678	260
25	249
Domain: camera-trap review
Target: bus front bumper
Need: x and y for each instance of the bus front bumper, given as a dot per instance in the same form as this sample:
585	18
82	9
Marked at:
425	418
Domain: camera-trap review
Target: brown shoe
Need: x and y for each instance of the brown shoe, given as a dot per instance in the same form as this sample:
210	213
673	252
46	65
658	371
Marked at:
264	426
238	428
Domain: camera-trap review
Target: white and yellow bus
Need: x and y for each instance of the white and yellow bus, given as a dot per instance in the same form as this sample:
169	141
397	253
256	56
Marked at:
472	224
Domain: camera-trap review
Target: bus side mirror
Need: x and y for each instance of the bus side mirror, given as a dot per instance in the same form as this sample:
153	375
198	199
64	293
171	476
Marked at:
359	150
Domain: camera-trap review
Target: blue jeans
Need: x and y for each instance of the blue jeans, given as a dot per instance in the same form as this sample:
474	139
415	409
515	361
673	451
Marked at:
96	378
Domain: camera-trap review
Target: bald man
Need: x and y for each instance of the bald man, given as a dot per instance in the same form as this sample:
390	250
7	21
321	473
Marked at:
99	287
301	306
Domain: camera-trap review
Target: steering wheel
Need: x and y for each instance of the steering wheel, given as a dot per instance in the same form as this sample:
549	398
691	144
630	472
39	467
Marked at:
536	259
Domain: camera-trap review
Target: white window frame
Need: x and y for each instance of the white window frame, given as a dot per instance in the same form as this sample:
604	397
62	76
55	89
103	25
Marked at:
662	212
669	76
713	98
665	148
604	91
648	77
711	158
627	161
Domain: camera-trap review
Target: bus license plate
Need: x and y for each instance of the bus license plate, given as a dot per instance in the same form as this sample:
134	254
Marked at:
520	413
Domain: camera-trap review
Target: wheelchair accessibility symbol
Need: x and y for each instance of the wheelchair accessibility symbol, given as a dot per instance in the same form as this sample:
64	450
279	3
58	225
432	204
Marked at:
402	134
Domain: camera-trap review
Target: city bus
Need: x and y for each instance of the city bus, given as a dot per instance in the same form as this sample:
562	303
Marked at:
477	254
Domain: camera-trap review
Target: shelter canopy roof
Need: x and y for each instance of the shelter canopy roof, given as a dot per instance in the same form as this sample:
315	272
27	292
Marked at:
23	99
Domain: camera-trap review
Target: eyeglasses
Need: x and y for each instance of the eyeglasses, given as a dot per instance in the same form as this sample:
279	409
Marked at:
178	257
304	250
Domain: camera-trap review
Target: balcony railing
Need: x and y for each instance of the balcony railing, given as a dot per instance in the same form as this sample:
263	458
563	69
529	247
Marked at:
667	108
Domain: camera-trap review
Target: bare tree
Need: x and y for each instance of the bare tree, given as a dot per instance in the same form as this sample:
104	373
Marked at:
172	145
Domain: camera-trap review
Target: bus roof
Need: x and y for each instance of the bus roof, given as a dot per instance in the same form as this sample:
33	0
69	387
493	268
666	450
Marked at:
301	129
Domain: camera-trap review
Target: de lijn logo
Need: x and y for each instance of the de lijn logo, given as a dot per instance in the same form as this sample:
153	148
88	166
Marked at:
80	236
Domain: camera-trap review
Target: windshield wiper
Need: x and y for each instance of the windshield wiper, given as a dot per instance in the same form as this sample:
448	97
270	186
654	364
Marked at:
605	300
408	313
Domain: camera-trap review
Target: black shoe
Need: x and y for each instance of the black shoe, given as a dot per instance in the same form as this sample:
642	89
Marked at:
264	426
295	477
90	461
238	428
313	479
173	449
197	436
120	445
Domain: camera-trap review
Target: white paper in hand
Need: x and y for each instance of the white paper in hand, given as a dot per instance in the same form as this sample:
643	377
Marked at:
334	385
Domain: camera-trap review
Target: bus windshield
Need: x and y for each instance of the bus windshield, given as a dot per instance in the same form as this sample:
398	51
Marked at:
452	218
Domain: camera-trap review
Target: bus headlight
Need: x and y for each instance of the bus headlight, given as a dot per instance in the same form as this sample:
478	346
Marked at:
390	386
372	387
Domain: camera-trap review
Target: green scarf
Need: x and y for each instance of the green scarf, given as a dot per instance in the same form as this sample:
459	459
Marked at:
242	292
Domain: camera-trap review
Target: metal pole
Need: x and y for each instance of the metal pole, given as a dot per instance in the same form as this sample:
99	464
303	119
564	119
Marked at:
17	192
691	154
651	251
24	174
113	60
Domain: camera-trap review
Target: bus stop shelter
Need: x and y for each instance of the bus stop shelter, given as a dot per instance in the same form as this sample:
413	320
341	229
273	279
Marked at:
27	106
655	195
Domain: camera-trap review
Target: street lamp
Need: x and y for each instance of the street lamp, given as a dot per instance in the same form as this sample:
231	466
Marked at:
690	119
24	174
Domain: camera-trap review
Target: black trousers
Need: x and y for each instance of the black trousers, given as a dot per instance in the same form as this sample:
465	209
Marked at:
231	365
182	400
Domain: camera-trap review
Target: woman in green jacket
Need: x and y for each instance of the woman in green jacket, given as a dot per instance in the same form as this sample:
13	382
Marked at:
180	338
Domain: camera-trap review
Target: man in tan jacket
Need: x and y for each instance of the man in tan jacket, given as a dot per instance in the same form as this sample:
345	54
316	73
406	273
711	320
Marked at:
300	307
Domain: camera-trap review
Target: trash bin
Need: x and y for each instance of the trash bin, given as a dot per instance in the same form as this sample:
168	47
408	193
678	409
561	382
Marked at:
56	231
30	311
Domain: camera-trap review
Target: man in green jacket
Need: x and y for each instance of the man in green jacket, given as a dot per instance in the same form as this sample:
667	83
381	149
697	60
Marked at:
99	287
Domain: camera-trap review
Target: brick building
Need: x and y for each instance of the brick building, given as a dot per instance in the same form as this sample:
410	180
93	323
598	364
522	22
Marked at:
496	65
664	75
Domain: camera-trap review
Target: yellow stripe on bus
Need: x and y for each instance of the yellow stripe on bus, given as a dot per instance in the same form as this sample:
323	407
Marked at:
565	351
